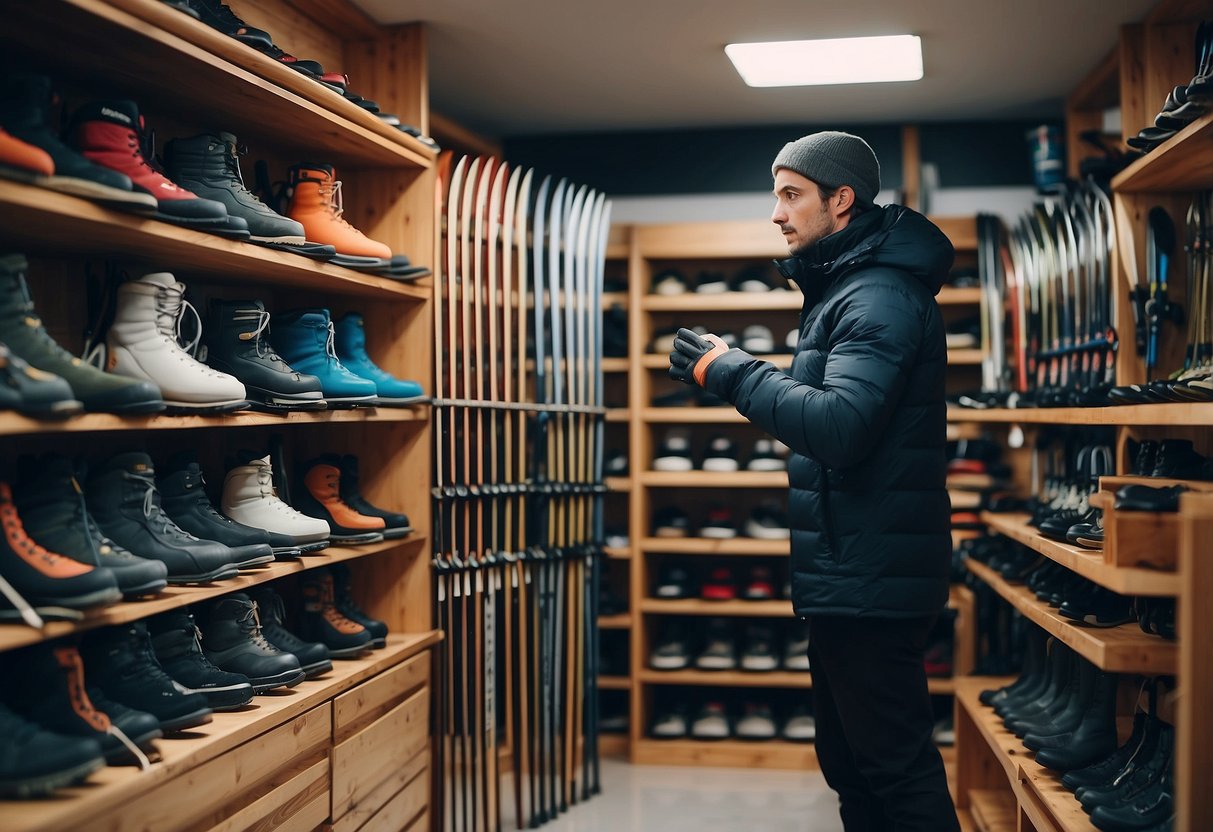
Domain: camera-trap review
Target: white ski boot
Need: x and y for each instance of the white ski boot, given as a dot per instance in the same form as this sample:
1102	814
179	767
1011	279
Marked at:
142	343
249	498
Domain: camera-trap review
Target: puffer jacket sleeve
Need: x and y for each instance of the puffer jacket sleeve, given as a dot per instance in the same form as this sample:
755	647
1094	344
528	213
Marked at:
874	342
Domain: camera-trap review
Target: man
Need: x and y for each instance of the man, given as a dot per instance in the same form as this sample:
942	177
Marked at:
863	411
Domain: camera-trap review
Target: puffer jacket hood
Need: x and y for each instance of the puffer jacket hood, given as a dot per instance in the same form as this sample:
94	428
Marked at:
892	236
863	410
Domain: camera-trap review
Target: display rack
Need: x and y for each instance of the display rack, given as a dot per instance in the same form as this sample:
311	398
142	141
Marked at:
349	749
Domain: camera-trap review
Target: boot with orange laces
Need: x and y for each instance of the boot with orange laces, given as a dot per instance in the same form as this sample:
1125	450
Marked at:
315	201
321	621
22	161
113	135
42	578
319	495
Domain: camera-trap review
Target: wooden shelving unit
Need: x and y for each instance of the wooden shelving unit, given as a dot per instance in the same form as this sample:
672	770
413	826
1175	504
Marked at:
696	606
773	754
738	546
1121	649
1196	414
289	757
615	622
713	479
1183	162
1089	564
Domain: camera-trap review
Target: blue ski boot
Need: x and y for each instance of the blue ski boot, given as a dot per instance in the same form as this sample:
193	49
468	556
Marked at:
351	349
304	339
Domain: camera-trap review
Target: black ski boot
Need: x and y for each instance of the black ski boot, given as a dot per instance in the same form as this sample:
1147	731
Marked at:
51	503
27	105
22	331
232	640
122	497
139	727
47	685
396	523
218	16
34	392
34	762
344	599
237	342
178	646
313	657
45	578
209	166
321	621
121	663
183	496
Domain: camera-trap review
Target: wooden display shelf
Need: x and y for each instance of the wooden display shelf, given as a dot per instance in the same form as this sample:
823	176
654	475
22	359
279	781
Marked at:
1123	649
1198	414
619	484
618	552
14	424
714	479
966	357
728	678
692	415
993	810
18	635
614	683
769	754
615	365
610	299
613	745
1083	561
697	606
738	546
623	621
1038	791
174	64
1182	163
951	296
35	220
618	414
779	301
112	786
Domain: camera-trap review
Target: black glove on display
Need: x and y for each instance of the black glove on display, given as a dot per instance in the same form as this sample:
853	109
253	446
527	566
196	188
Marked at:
693	354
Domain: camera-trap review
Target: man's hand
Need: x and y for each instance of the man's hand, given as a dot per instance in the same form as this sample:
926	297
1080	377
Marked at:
693	354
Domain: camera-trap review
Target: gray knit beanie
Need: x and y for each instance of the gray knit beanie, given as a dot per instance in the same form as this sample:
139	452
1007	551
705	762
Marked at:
832	158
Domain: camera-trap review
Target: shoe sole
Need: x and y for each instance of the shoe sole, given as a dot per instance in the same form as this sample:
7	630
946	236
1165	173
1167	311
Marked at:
759	533
672	463
713	533
765	666
206	407
55	410
356	539
351	401
181	723
225	698
396	534
287	552
715	664
767	465
349	652
289	240
220	574
286	679
91	599
721	465
101	193
205	223
401	402
46	783
308	548
259	396
251	563
149	588
311	671
669	664
139	408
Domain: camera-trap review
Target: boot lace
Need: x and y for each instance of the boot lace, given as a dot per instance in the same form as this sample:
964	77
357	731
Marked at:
331	194
250	623
262	345
157	519
231	164
265	480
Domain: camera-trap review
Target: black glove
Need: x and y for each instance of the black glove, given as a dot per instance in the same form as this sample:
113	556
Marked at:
693	354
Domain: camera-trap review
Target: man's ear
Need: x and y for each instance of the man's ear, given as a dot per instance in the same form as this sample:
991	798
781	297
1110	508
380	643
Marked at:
844	200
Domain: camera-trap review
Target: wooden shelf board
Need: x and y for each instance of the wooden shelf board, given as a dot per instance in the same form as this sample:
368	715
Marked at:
1123	649
610	299
738	546
614	683
993	810
112	786
179	66
1007	748
623	621
619	484
951	296
1089	564
1186	413
697	606
1182	163
770	754
36	220
728	678
18	635
714	479
966	357
618	552
778	301
13	424
961	231
615	365
692	415
940	686
618	414
732	239
613	745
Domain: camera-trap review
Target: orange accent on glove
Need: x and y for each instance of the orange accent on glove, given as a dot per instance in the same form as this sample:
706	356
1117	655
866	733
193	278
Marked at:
701	366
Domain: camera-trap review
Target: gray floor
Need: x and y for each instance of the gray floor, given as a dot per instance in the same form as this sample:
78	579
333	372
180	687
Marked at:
661	799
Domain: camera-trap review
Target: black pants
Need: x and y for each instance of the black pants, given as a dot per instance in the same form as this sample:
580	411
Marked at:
874	723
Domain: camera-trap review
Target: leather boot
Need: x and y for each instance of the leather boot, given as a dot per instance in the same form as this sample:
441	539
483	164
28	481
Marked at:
312	655
350	343
249	498
1094	738
34	392
232	640
343	592
322	621
22	161
315	201
34	762
178	645
1056	731
304	339
317	494
238	342
396	523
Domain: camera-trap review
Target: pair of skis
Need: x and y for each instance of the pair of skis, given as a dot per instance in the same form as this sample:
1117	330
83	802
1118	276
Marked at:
517	483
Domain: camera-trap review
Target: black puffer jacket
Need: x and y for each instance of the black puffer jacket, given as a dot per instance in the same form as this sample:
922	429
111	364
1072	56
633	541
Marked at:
863	412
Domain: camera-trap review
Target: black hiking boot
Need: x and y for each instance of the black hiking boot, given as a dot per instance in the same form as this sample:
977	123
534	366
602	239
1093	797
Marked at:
177	642
313	657
233	641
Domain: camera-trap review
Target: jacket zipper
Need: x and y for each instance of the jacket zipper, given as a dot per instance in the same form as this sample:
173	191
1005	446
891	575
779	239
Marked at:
826	520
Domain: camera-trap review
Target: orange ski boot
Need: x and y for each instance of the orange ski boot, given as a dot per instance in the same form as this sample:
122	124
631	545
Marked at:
315	201
321	497
22	161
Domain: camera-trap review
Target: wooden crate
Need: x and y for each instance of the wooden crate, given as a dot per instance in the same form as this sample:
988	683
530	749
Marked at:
1136	539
